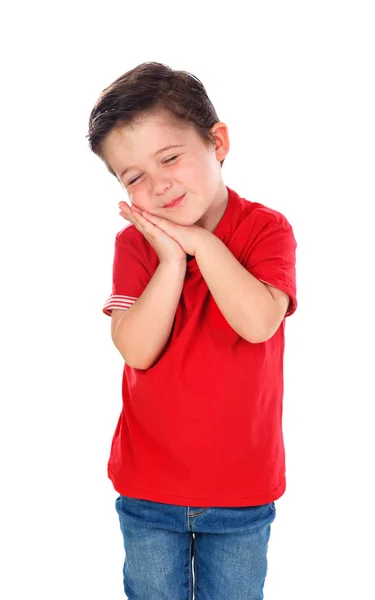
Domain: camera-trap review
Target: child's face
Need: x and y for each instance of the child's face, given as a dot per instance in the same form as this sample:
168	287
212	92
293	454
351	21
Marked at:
156	176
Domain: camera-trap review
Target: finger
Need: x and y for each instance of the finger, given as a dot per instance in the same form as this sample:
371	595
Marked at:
126	210
159	222
126	213
127	217
137	224
141	220
146	226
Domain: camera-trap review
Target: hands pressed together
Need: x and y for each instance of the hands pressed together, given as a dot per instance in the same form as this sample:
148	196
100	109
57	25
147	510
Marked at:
170	241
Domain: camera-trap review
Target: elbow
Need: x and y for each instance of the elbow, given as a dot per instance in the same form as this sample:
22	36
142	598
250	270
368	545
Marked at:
259	340
140	365
261	336
131	361
143	365
256	340
265	335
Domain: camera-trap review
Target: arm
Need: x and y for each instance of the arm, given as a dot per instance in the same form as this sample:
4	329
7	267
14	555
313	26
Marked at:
144	329
245	302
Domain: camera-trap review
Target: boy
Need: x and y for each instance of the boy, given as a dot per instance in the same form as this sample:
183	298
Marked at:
202	282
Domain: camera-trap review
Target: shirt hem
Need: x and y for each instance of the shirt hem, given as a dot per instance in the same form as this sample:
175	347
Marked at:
132	491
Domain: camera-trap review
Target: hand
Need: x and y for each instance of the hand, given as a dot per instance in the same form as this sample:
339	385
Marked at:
187	236
167	249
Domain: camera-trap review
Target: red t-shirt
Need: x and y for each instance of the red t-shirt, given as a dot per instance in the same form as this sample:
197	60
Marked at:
203	426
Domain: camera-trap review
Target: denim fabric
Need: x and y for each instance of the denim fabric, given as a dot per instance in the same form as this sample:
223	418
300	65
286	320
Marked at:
194	553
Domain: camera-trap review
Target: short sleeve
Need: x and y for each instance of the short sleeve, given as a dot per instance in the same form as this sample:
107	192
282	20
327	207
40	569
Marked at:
272	255
131	270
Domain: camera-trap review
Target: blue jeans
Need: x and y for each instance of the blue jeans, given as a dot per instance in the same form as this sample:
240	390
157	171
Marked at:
227	545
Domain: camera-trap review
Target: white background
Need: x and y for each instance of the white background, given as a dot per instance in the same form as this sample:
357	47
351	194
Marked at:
294	81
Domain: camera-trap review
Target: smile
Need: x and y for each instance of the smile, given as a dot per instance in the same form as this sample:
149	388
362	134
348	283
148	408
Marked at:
174	202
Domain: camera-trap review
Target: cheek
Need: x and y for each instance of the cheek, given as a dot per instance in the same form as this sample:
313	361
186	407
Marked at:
139	200
194	171
186	170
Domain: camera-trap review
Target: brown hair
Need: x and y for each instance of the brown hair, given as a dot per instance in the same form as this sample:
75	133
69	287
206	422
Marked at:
151	86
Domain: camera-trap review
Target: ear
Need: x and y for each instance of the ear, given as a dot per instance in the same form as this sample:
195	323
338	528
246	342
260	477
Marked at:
221	135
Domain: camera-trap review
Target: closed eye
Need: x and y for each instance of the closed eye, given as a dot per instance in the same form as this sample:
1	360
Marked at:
133	180
168	160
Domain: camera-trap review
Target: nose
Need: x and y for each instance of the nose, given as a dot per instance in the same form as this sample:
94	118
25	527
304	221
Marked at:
161	185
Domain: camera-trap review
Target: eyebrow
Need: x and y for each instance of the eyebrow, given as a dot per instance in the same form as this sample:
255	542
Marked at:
156	153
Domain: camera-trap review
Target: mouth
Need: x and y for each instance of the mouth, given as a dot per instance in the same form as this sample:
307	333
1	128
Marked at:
174	202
